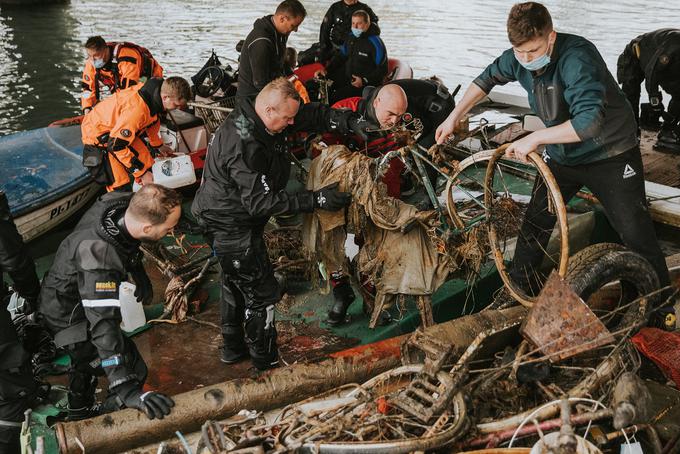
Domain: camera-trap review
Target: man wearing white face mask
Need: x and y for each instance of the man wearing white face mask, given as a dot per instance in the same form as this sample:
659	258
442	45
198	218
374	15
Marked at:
116	65
590	136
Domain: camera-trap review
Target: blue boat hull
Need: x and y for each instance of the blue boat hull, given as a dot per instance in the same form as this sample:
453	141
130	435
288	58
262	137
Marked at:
42	174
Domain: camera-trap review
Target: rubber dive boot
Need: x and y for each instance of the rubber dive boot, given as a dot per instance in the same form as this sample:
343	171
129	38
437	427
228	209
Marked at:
231	353
81	401
233	349
669	139
260	327
344	297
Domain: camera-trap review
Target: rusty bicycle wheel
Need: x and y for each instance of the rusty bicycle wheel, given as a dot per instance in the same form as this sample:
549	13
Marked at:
505	222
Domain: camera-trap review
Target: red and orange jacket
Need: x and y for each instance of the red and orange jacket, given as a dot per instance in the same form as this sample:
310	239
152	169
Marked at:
129	64
120	121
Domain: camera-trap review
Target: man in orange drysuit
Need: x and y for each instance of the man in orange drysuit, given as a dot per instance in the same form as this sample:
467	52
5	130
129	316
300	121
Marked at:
114	130
117	65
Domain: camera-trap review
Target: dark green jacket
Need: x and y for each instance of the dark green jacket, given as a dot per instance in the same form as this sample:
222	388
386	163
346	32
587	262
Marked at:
575	86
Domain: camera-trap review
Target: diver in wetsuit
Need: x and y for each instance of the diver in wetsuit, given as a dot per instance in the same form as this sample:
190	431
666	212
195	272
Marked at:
80	301
654	58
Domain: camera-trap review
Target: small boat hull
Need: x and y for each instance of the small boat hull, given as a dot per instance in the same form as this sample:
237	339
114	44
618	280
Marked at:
41	172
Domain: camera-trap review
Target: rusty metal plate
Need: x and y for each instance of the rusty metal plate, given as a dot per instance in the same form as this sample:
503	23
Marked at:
561	325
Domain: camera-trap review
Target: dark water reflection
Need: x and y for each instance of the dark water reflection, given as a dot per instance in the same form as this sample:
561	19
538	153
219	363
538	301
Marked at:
41	58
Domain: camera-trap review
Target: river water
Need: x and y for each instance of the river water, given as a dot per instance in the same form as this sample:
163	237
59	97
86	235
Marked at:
41	53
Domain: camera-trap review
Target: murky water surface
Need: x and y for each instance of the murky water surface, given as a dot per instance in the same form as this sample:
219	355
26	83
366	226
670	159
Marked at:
41	56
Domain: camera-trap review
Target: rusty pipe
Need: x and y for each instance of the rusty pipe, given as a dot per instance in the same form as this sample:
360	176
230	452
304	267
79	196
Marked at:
494	439
126	429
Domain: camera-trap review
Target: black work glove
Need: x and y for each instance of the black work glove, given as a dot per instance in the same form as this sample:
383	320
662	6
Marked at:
329	198
360	126
346	122
151	403
143	286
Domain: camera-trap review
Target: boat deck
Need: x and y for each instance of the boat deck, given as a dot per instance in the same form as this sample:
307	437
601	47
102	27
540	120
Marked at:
661	166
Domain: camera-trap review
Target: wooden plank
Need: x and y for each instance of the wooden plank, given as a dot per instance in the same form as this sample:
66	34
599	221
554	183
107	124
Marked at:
664	203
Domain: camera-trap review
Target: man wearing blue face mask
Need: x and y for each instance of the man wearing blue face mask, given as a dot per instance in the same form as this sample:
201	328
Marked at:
590	137
116	65
361	61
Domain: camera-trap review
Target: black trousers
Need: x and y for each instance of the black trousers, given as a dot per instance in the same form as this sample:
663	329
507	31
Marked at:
17	386
618	183
249	291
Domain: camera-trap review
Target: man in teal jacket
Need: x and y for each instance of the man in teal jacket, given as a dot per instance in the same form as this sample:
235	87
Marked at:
590	136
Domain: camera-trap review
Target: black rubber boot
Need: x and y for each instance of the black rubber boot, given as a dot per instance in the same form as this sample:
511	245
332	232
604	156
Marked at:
234	349
81	399
669	138
260	327
344	297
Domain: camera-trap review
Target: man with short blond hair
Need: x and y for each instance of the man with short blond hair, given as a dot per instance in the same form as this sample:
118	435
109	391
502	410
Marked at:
590	136
80	298
244	179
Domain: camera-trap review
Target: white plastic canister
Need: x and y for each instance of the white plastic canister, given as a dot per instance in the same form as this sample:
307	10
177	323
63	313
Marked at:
131	310
174	172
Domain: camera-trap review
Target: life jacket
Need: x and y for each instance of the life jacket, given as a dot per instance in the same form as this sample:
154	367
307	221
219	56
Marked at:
111	75
147	65
300	88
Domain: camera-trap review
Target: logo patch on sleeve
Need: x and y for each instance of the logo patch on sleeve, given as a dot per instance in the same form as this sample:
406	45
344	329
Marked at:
105	286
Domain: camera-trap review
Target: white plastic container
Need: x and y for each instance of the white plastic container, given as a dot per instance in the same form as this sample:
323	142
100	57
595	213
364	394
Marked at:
131	310
174	172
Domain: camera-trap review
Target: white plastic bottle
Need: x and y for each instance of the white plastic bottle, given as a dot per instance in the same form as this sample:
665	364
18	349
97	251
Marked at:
131	310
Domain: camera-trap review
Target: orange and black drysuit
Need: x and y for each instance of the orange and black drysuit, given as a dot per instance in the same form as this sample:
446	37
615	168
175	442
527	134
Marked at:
128	65
113	134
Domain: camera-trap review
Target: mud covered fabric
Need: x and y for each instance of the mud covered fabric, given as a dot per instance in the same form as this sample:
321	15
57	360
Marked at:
398	263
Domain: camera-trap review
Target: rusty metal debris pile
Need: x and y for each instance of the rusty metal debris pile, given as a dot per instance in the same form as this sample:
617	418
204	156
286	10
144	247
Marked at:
287	253
185	272
565	372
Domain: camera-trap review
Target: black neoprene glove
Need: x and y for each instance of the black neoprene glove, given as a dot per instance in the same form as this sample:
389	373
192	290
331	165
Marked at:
359	126
151	403
143	286
330	199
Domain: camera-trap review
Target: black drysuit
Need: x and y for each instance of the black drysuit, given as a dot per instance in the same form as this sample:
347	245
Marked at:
654	58
80	304
261	59
429	102
337	23
365	57
245	174
17	387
